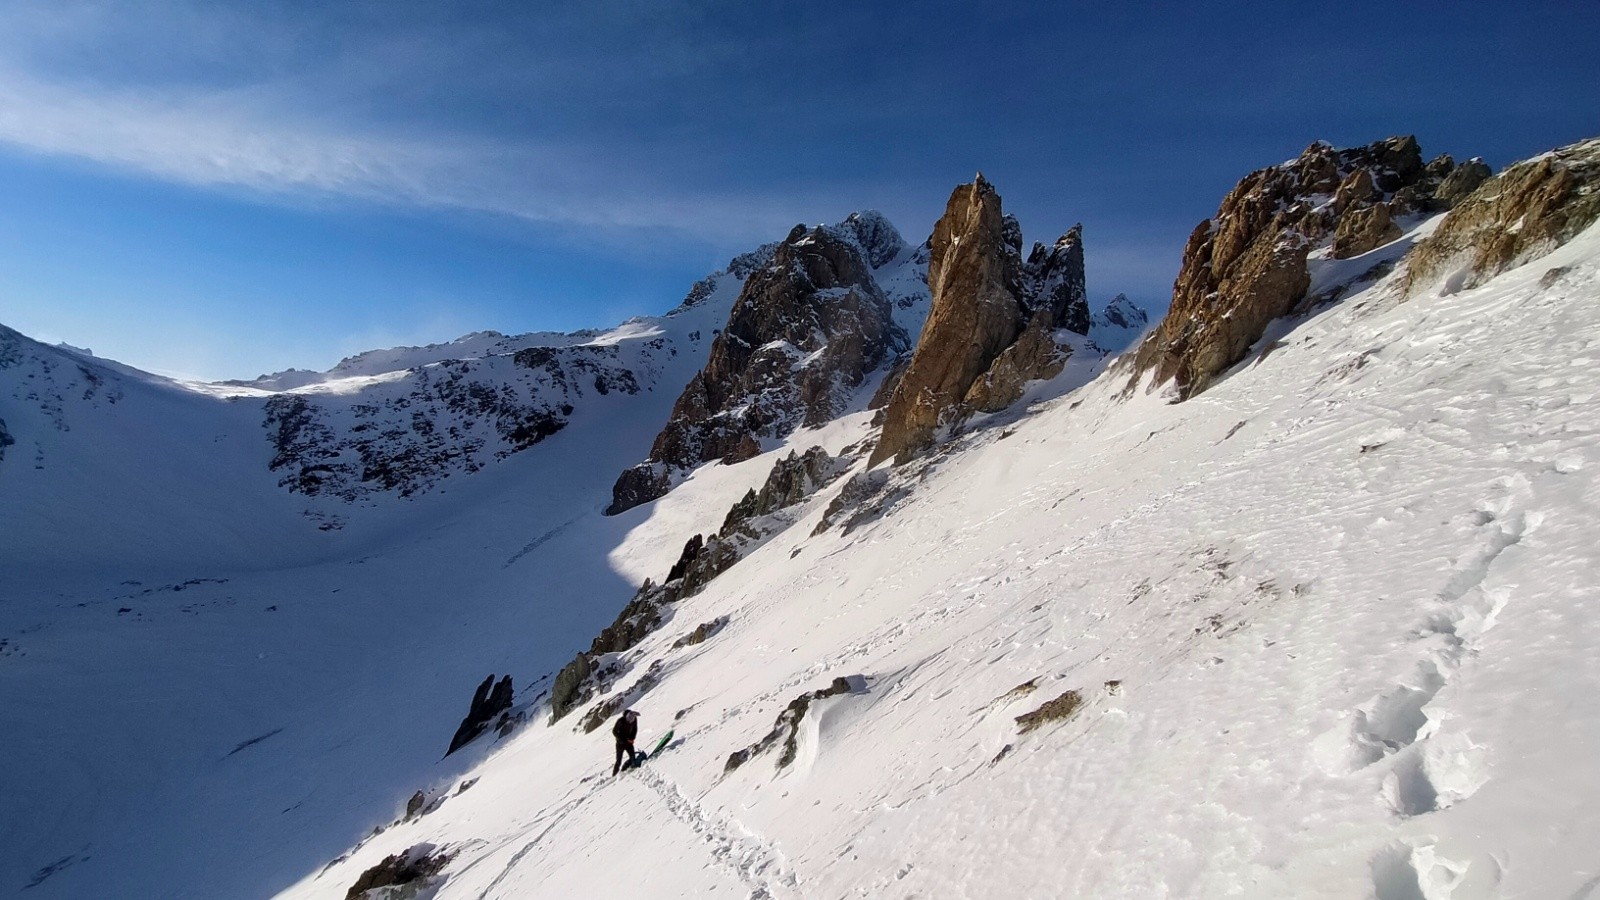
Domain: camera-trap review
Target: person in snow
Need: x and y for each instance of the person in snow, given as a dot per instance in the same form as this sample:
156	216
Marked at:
626	729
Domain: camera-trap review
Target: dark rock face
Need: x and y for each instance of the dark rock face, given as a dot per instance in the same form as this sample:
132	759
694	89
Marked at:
602	712
807	329
6	440
489	702
638	485
1521	214
1247	265
984	297
418	864
587	673
1053	282
792	479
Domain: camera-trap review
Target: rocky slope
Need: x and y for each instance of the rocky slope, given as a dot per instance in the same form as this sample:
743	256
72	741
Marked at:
1247	265
807	330
992	322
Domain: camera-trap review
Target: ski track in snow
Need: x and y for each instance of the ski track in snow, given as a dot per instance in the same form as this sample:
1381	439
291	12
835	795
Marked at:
740	851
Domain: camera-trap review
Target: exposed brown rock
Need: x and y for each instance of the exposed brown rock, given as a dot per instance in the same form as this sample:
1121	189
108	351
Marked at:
701	633
1247	265
417	864
1356	189
1462	181
1519	215
891	380
1058	710
972	273
1034	356
787	727
1361	230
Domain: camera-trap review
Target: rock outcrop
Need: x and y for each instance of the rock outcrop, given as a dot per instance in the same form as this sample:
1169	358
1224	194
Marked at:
984	298
1521	214
786	729
1247	265
805	332
792	479
1034	355
491	700
6	440
1459	184
759	514
1053	282
416	867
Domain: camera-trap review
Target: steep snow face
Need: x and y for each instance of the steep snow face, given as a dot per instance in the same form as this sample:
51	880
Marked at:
1318	632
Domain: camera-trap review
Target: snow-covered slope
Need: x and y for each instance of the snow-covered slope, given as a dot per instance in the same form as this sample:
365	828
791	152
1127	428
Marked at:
251	661
1319	632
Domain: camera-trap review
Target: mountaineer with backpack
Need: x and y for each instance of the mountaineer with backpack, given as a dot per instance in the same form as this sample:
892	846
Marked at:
625	730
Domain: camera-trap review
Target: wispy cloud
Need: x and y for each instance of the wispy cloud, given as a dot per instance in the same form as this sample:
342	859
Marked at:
266	126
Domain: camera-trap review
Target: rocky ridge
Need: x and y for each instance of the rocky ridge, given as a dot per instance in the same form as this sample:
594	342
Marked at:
808	328
1247	265
442	419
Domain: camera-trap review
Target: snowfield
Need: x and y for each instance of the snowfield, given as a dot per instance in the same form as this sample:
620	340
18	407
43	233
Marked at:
1321	632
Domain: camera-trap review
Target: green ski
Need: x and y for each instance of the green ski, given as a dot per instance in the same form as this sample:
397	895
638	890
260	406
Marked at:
661	743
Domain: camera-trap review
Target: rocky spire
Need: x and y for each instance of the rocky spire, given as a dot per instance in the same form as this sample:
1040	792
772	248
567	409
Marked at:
985	297
972	273
1054	281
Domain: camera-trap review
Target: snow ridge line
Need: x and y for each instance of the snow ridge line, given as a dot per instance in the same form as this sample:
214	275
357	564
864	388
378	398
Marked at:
750	858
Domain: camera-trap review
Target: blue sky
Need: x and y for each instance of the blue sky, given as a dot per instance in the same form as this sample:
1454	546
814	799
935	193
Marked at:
223	189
